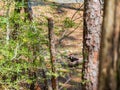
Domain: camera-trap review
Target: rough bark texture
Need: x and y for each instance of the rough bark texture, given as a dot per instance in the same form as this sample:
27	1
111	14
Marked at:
91	43
109	76
117	41
52	52
118	65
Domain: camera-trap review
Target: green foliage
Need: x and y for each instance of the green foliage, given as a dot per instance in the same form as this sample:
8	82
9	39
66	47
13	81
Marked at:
3	20
21	58
68	23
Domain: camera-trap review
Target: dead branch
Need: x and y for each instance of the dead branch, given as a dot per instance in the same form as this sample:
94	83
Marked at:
64	84
64	36
77	11
52	52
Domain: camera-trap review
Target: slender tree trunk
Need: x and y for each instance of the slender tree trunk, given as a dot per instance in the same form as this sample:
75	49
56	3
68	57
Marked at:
52	52
118	65
28	11
91	43
109	76
117	41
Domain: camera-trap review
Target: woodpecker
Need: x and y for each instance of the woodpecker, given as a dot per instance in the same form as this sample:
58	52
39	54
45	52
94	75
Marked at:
74	61
72	58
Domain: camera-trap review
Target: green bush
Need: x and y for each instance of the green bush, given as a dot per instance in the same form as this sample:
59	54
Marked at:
68	23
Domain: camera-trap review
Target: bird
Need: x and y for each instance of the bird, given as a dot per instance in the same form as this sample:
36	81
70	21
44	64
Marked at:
72	58
74	61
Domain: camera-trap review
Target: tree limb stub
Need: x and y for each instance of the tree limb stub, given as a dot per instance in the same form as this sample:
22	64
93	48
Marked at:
52	51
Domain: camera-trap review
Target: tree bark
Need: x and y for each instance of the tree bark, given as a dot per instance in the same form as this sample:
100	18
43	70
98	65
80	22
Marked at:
109	68
91	43
52	52
118	65
28	11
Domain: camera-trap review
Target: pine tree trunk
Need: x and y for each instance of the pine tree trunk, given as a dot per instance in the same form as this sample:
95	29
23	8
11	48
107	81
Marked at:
91	43
118	64
109	76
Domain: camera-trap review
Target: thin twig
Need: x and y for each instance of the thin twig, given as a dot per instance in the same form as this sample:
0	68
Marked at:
64	84
7	26
16	51
76	11
63	36
78	18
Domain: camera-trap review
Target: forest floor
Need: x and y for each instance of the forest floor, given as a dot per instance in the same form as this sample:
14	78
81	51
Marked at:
72	43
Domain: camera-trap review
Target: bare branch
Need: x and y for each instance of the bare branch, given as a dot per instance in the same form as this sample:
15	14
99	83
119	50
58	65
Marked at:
7	26
64	84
